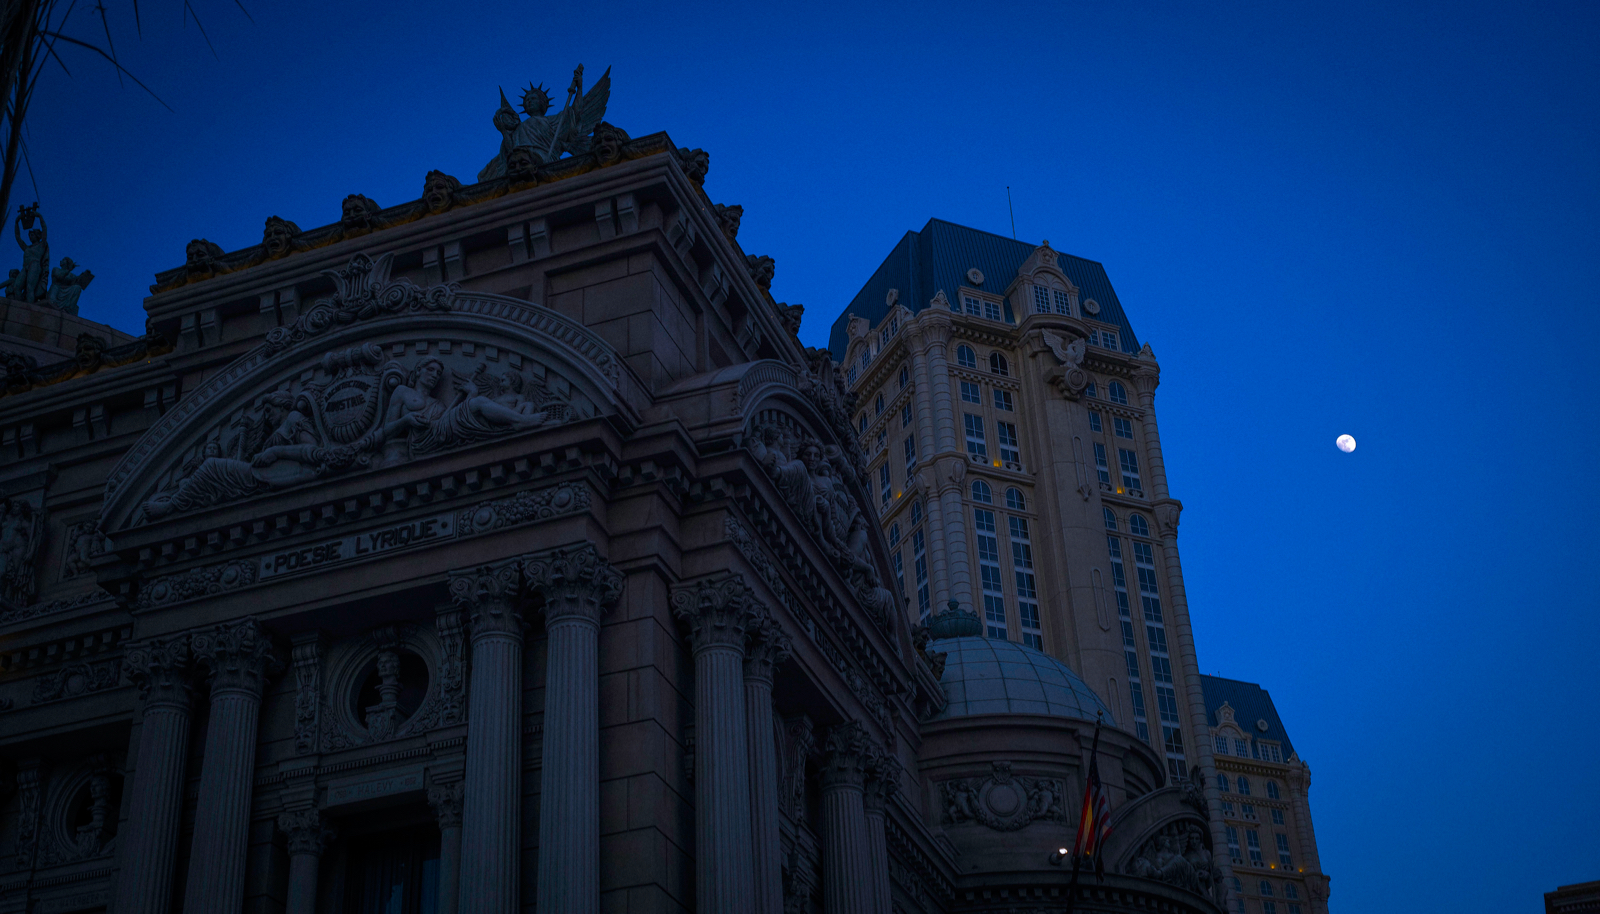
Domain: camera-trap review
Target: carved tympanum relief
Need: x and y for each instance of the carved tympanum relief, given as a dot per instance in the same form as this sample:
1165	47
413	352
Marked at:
1003	801
1178	855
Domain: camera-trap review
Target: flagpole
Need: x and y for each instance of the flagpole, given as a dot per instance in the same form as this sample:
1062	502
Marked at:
1088	781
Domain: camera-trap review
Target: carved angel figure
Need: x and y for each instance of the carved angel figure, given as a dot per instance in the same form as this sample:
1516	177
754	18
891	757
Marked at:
548	137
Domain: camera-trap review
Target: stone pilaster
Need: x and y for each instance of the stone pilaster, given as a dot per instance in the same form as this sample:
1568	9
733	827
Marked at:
883	780
489	596
951	476
717	612
766	649
446	802
933	537
848	754
916	343
308	838
161	669
240	659
935	322
577	586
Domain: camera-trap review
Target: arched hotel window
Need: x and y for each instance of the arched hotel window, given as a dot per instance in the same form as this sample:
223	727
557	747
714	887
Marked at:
965	357
1119	394
981	492
1137	525
1015	501
998	365
1111	518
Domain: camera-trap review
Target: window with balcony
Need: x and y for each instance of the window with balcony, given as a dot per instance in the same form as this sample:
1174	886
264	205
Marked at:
1248	810
977	445
1227	808
1283	850
965	357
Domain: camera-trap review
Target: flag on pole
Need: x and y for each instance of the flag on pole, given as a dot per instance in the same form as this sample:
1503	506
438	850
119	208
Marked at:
1094	823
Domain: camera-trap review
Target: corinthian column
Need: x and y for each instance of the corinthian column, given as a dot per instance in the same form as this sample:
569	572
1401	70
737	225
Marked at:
766	649
846	871
446	802
160	668
577	586
883	779
716	612
240	659
490	808
308	837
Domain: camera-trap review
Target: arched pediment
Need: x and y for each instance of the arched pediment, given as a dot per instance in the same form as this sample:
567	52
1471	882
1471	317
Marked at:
380	373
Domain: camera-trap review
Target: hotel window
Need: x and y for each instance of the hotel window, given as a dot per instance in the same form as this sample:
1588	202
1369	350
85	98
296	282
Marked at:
1117	392
1027	590
1005	434
1249	810
905	377
851	374
863	423
1269	907
1041	303
1223	784
1129	462
981	492
1283	850
998	365
1002	400
911	457
976	445
972	305
1172	740
866	356
1063	304
900	575
965	357
1100	466
884	485
1090	391
1094	421
882	434
1289	890
905	414
971	393
1253	839
916	513
994	600
1110	518
1294	908
991	310
1241	748
1137	525
1233	844
1277	816
1269	752
919	560
894	534
877	407
1123	427
1227	808
883	338
1266	889
1015	500
1272	788
1119	582
1108	339
1244	786
1149	592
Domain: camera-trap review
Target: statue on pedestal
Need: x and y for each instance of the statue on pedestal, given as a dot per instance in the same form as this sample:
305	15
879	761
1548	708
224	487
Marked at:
546	138
68	285
35	254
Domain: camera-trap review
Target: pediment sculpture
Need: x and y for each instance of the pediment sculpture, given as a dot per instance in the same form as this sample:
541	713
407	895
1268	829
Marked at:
1178	855
361	409
541	137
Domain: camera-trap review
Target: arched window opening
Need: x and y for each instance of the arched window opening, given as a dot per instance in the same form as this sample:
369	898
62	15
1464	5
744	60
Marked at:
981	492
965	357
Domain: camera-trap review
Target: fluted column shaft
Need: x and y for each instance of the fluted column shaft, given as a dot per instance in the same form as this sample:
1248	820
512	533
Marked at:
952	475
240	658
846	849
923	395
767	648
577	586
160	668
883	779
491	796
307	839
446	802
939	372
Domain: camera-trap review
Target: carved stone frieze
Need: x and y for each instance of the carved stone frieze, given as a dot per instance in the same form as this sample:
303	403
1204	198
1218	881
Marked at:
1179	854
205	581
1003	801
307	658
535	505
76	679
239	656
574	581
21	533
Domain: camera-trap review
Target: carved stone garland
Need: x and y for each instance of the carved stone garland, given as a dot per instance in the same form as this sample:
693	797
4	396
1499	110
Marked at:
1003	801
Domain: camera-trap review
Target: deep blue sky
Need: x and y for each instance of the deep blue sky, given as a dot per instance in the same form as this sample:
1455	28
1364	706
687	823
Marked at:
1372	218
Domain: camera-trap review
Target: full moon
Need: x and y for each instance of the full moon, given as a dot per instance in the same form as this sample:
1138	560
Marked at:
1345	443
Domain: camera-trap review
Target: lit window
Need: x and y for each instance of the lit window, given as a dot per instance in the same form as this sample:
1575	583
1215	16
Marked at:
1277	816
1244	785
1283	850
971	393
905	377
976	444
994	601
1100	466
911	457
1110	517
919	559
972	305
1094	421
884	485
1117	392
1015	501
894	534
1027	590
1091	391
905	414
1002	400
1137	525
1272	789
965	357
1129	462
1123	427
1063	304
1253	839
998	365
981	492
1041	303
1005	433
877	406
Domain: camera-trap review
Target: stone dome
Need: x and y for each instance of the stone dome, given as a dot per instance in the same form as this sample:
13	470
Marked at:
994	676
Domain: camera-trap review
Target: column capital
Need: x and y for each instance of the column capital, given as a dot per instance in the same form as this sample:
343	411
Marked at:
934	322
1167	511
239	656
1146	378
446	802
575	582
489	595
848	753
161	669
307	833
883	780
949	473
717	610
767	646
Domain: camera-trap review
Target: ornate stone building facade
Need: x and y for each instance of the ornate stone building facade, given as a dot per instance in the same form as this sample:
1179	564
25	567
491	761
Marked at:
504	551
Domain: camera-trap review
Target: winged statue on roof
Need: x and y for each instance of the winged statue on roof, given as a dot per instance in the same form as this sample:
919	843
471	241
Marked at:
547	137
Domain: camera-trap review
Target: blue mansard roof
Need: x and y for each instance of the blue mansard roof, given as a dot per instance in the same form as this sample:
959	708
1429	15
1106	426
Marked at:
1250	703
939	256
